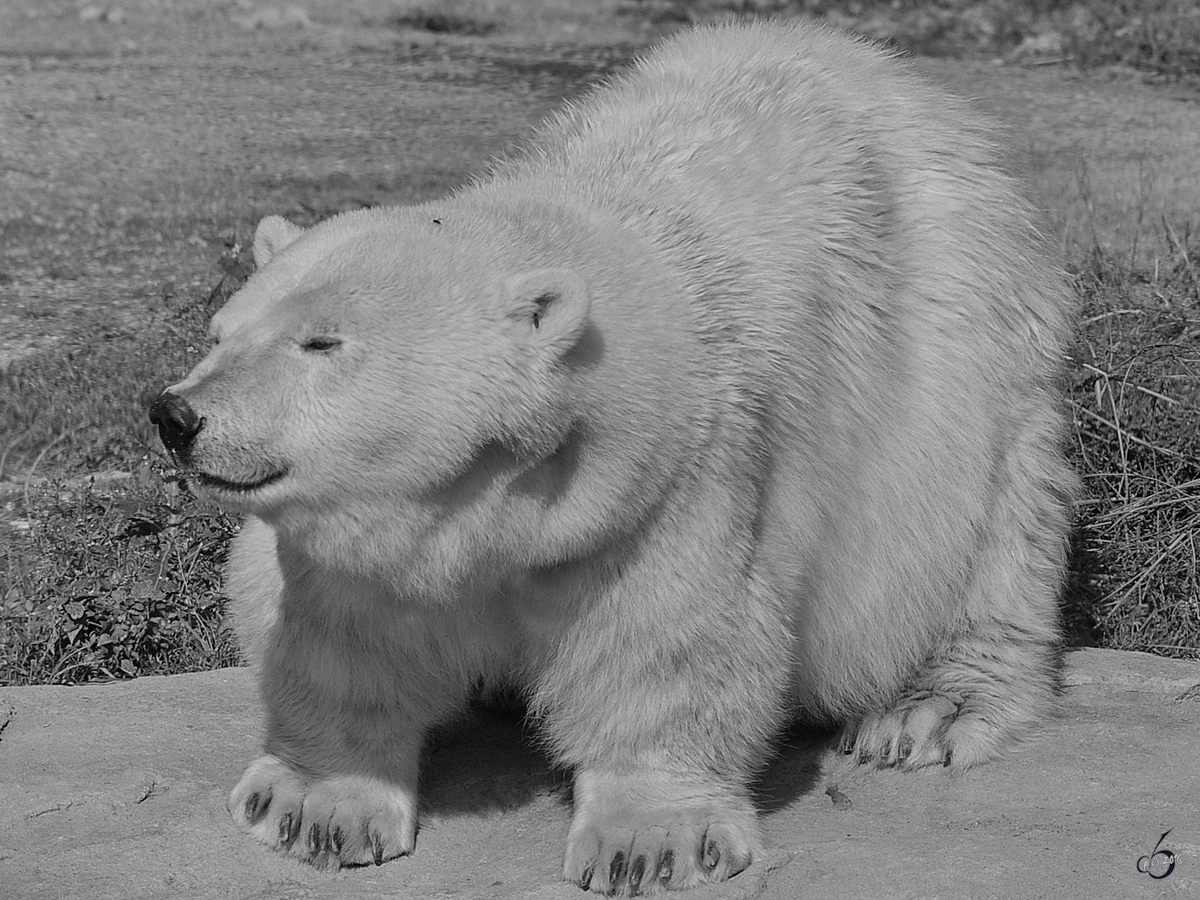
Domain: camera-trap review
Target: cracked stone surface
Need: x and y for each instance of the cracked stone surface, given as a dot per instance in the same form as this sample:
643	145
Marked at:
118	791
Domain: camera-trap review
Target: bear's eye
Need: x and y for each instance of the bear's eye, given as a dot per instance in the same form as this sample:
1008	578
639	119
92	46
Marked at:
321	344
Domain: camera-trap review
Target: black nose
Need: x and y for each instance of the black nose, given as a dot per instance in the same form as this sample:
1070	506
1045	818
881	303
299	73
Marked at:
177	422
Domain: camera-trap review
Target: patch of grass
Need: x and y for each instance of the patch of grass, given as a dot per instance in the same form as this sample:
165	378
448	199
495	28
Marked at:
1136	396
1159	36
123	578
465	17
112	581
82	410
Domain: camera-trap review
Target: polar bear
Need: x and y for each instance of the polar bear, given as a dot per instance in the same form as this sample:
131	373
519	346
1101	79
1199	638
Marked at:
732	399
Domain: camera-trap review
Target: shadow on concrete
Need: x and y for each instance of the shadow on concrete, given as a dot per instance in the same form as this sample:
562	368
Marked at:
492	762
489	762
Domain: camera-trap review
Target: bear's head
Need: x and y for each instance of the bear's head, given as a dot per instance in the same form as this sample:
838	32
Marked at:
369	362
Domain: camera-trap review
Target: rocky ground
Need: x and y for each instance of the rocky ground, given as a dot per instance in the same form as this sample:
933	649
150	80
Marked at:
117	792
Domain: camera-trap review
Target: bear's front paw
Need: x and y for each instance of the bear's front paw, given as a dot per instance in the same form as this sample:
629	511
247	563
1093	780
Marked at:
331	822
624	842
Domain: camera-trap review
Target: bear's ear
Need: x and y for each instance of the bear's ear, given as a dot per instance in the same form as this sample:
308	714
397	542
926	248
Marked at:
550	306
271	236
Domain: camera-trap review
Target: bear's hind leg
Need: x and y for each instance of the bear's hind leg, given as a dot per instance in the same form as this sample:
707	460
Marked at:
991	683
986	692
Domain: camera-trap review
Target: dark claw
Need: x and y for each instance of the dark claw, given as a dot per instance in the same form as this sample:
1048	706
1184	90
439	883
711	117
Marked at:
712	855
377	847
337	840
618	869
848	740
585	880
865	756
666	865
289	826
255	807
946	759
636	873
314	843
905	748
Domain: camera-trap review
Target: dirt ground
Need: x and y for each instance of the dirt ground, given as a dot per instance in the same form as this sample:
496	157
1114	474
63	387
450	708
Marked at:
131	150
117	792
138	139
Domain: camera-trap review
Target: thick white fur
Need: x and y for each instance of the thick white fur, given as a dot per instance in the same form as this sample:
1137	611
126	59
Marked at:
733	399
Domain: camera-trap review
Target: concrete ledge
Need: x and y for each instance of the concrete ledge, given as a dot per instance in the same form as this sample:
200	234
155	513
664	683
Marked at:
118	791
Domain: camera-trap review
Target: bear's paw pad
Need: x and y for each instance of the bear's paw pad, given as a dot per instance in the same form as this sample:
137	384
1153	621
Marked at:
647	851
344	820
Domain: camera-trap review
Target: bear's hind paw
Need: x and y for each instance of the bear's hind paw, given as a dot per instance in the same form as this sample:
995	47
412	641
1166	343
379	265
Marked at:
344	820
925	729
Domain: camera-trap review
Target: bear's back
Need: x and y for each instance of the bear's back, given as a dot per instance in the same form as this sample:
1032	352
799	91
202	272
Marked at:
788	174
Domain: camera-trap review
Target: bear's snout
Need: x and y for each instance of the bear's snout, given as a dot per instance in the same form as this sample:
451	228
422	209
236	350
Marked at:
178	424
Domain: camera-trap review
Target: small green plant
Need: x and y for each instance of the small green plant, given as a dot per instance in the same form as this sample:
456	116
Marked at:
112	582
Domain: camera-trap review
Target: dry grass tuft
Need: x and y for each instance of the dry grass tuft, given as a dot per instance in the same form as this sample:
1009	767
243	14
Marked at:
1136	396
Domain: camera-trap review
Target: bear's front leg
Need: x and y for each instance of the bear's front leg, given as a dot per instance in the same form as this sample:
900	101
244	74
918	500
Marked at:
664	697
331	821
640	832
350	686
337	783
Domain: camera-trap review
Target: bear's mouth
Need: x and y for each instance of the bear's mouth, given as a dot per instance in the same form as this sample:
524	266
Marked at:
217	483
